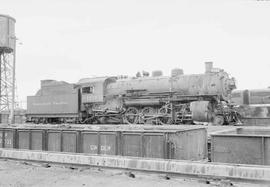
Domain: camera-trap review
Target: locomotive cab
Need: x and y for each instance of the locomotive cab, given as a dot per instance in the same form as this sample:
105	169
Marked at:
92	95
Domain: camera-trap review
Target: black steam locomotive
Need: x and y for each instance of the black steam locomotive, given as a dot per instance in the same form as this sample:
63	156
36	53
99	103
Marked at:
143	99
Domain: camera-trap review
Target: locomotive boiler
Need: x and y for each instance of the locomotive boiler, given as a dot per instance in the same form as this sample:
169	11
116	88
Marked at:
155	99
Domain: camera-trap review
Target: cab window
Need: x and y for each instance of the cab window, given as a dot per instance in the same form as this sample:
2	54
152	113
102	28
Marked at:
87	90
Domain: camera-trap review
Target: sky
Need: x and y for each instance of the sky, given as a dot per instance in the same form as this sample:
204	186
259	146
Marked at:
73	39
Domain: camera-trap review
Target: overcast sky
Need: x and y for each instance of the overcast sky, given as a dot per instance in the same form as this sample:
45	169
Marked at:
72	39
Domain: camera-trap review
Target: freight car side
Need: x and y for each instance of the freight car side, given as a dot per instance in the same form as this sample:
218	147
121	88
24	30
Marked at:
53	108
251	97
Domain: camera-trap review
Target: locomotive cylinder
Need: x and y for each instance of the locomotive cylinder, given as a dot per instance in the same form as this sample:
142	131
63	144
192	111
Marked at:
201	111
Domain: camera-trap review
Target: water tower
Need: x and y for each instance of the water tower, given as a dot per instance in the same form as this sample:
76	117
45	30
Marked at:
7	65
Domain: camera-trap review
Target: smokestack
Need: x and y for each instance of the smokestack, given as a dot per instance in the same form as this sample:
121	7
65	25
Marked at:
208	67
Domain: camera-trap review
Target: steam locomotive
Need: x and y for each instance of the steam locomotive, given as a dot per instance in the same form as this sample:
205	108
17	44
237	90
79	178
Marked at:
144	99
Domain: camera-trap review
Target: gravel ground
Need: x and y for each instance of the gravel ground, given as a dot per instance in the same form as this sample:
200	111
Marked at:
24	174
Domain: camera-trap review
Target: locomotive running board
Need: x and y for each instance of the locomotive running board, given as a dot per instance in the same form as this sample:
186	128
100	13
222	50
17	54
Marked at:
174	167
